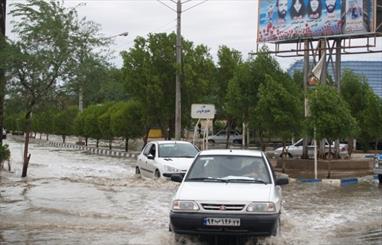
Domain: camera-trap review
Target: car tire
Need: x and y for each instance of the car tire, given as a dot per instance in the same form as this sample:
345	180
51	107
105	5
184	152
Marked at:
380	178
276	228
156	174
211	141
237	141
137	171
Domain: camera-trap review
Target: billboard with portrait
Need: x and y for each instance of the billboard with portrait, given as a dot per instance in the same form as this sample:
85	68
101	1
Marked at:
283	20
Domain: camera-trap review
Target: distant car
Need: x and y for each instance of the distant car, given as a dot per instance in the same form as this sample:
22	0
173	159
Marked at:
228	192
378	167
221	137
163	158
296	149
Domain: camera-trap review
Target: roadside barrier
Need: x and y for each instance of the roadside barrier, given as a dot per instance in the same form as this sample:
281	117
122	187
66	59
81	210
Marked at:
338	182
92	150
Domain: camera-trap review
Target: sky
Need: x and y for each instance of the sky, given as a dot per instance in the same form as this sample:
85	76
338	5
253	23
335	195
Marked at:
213	23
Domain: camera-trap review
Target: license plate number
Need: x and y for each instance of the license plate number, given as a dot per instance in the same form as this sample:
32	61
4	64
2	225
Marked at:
221	222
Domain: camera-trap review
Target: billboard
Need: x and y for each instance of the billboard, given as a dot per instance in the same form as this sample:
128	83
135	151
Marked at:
284	20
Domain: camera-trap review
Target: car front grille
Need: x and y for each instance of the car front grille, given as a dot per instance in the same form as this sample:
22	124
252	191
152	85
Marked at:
223	207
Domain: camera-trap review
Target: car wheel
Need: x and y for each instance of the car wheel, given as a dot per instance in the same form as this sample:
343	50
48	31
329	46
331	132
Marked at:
380	178
157	174
276	228
237	141
211	141
137	171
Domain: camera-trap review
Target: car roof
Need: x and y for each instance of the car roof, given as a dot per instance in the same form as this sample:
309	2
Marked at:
234	152
170	142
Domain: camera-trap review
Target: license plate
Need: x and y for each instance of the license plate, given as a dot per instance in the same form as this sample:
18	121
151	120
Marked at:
221	222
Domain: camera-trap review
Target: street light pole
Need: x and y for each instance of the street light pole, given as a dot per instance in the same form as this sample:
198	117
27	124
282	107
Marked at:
178	102
3	5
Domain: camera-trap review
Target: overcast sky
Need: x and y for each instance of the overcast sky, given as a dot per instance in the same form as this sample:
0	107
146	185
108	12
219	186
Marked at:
213	23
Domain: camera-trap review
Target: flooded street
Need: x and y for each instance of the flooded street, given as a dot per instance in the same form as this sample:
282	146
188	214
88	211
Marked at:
70	197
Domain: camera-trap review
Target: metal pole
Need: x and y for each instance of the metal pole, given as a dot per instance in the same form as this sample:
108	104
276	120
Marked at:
3	5
306	109
315	154
178	105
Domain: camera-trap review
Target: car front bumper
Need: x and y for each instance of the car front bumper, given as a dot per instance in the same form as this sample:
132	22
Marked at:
250	224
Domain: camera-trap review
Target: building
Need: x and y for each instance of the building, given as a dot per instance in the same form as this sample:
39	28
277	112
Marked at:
372	70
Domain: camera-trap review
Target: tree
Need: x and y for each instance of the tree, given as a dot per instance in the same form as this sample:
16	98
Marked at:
64	122
149	69
49	37
278	111
127	121
330	115
90	121
364	107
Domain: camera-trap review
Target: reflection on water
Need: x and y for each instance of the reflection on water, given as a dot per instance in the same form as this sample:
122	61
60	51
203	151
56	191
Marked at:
73	198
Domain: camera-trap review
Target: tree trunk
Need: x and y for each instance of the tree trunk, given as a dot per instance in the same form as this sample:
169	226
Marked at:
228	132
86	141
63	138
97	143
27	156
305	154
47	137
110	144
126	144
350	146
40	136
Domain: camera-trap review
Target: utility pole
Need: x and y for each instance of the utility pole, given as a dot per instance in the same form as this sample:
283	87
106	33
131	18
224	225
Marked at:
3	5
178	85
178	101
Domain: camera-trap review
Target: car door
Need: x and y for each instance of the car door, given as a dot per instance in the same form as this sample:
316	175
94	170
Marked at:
143	160
151	159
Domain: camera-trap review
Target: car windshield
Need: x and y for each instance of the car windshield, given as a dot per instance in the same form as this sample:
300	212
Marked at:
177	150
223	168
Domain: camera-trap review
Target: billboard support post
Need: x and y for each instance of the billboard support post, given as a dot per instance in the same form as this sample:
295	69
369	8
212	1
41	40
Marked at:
306	77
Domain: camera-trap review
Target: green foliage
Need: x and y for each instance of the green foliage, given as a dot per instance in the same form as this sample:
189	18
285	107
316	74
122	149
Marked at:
278	111
64	121
329	114
43	121
127	120
149	69
5	153
90	120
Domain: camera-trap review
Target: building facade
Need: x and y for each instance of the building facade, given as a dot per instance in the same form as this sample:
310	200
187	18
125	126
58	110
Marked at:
372	70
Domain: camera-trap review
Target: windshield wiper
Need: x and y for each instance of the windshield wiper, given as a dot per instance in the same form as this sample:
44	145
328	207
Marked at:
207	179
247	180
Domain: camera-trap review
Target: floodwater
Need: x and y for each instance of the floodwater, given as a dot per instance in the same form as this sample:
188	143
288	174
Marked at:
70	197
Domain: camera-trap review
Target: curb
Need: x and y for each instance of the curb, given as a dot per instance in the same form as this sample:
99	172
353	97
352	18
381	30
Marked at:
92	150
337	182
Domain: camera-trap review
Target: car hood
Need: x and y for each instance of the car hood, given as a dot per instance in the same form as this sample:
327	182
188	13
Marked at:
205	191
177	162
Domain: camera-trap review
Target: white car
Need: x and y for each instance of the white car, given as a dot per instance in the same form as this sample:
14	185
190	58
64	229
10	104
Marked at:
228	192
221	137
163	158
296	149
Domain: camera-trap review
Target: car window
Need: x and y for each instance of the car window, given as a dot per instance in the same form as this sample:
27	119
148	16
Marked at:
299	143
229	167
177	150
152	150
147	149
221	133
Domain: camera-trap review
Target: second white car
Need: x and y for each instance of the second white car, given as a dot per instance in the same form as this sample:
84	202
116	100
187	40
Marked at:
163	158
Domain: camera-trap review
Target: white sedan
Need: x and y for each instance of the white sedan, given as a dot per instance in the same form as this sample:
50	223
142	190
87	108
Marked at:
163	158
296	149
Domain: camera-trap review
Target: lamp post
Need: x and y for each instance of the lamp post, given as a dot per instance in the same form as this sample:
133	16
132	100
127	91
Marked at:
80	92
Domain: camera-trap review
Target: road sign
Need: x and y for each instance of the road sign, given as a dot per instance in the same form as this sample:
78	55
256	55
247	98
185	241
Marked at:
202	111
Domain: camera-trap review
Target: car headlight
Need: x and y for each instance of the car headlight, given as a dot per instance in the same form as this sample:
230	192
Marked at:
169	169
188	206
261	207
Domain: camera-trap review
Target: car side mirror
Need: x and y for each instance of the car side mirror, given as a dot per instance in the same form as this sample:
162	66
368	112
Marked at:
150	156
282	180
177	177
